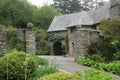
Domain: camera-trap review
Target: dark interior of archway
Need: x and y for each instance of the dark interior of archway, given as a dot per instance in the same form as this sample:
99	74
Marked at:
57	49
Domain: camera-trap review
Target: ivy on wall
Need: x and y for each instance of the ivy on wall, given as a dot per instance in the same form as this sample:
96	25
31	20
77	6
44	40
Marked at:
42	47
58	38
54	38
13	42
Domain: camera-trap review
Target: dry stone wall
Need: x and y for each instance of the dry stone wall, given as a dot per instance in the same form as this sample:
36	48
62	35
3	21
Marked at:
3	42
23	34
30	41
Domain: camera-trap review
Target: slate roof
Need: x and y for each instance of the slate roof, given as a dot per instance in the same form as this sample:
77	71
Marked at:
61	23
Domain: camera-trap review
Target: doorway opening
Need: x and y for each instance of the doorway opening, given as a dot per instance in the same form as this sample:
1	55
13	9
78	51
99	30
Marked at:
57	48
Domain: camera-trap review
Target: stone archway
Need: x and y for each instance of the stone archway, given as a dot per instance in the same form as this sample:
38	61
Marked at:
57	48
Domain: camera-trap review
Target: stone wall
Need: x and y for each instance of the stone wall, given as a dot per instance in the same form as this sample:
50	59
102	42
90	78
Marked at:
20	34
115	9
23	34
82	42
71	40
30	41
83	39
3	42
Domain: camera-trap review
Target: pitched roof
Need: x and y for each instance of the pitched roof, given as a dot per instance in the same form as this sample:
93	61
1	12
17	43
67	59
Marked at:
60	23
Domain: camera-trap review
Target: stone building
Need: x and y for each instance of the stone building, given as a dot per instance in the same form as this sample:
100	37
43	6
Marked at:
80	28
115	8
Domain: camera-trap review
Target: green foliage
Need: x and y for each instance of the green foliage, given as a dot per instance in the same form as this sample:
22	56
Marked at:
92	74
61	76
64	49
13	41
42	67
68	6
12	14
42	44
111	41
117	56
42	71
86	62
16	66
46	70
55	38
116	44
97	57
105	50
71	6
111	28
113	67
43	16
39	61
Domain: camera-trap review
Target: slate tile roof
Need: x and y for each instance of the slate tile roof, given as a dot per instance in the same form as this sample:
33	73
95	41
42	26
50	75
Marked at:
61	23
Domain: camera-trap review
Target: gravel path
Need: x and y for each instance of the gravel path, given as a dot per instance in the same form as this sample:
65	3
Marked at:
67	64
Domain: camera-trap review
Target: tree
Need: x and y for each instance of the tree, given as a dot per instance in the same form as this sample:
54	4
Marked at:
68	6
111	28
43	16
15	12
71	6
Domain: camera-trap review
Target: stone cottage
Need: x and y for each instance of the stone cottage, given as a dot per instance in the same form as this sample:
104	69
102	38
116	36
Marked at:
80	28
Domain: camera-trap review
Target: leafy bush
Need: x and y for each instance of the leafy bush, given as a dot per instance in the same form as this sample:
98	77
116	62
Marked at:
117	55
13	41
97	57
86	62
105	50
39	61
45	70
41	42
17	66
42	67
92	74
61	76
113	67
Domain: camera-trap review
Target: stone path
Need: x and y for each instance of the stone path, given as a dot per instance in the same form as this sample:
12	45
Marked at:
67	64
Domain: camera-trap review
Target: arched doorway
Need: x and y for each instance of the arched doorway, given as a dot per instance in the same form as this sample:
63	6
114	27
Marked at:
57	48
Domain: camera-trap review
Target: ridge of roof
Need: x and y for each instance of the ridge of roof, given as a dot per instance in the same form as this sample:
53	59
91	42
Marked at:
91	17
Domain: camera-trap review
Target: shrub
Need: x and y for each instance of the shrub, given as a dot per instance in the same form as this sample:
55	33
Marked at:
61	76
92	74
39	61
42	67
104	51
45	70
17	66
113	67
117	55
13	41
97	57
86	62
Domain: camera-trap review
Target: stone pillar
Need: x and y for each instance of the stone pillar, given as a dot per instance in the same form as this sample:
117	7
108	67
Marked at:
51	47
30	39
95	36
83	39
71	41
3	42
115	9
82	42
